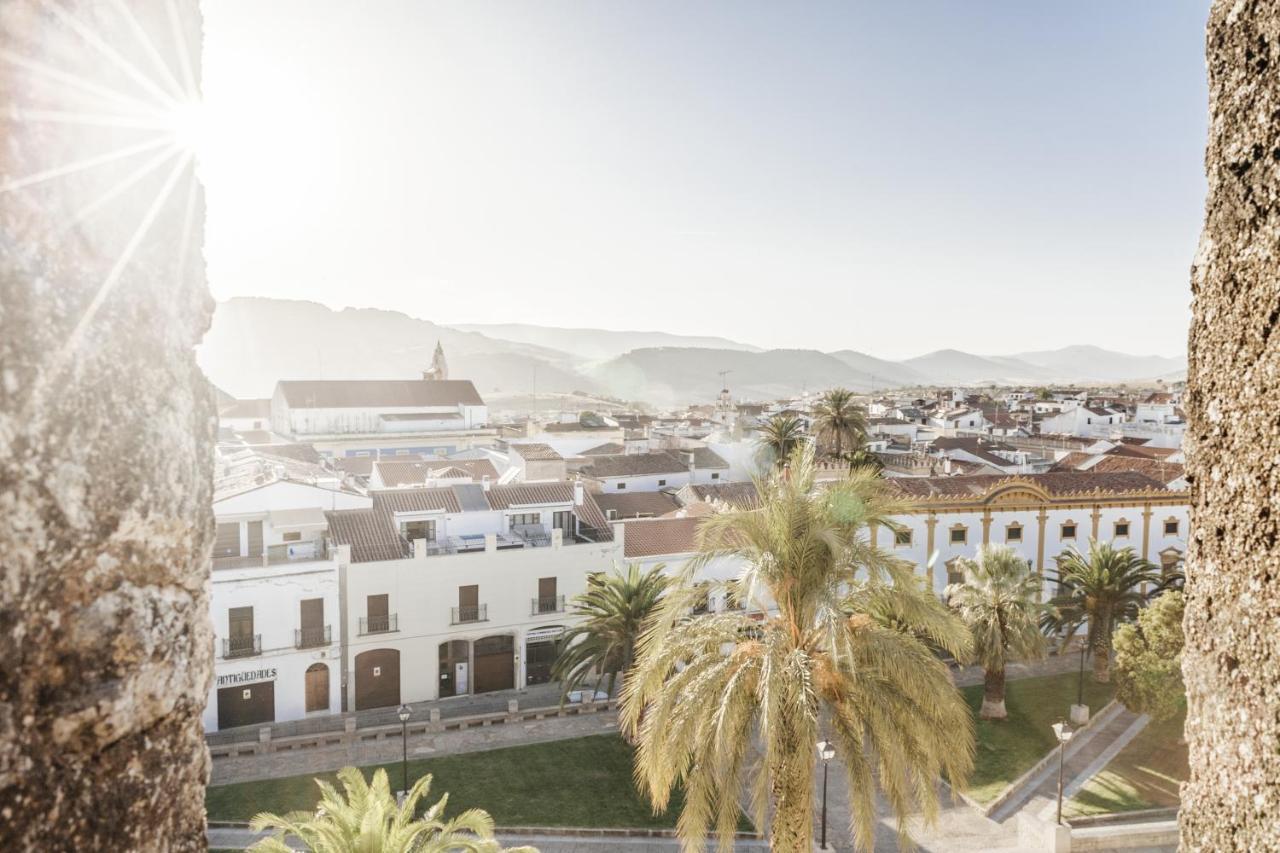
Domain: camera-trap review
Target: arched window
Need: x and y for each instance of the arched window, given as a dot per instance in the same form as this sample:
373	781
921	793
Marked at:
317	687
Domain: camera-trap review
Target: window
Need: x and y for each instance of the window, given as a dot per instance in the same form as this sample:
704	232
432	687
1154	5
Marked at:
955	574
1122	529
412	530
1068	530
524	519
240	622
226	542
1171	527
662	482
959	535
611	514
621	486
292	536
902	537
1013	533
715	475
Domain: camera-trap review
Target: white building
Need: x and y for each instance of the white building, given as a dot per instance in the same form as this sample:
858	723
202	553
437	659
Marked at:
461	590
351	417
649	472
274	601
1083	421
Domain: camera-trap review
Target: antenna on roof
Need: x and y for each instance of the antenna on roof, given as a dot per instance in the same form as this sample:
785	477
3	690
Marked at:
722	374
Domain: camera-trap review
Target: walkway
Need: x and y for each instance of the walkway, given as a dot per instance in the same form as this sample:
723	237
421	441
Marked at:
238	839
537	696
1097	745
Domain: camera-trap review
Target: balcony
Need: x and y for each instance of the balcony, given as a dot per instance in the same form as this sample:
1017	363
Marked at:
380	624
305	638
276	555
473	613
547	604
242	647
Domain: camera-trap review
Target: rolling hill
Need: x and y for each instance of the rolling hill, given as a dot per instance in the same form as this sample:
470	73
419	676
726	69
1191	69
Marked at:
598	344
254	342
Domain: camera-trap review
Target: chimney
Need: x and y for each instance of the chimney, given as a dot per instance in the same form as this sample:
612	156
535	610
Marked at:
484	482
578	495
946	465
689	460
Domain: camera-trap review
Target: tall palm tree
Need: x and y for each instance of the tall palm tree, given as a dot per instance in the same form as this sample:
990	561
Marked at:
838	655
840	421
367	819
1102	588
612	612
781	435
997	600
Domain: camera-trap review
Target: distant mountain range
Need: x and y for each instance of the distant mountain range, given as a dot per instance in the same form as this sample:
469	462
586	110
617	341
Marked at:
596	343
254	342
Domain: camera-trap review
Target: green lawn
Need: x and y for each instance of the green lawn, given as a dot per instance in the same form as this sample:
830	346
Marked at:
580	782
1144	775
1008	748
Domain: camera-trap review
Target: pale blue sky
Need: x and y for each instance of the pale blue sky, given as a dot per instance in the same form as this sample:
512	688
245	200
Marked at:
889	177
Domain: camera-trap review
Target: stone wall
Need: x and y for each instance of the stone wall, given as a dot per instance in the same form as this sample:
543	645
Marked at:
1232	662
106	429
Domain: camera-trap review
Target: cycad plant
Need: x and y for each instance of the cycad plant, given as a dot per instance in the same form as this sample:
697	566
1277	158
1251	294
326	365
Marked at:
780	435
1102	588
611	614
840	421
998	601
840	654
366	819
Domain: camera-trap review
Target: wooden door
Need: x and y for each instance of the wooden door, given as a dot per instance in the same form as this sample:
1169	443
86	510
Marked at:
494	664
246	704
317	687
377	679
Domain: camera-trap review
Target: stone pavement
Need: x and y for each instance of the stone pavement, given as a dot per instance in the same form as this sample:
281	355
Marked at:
361	752
536	696
237	839
1040	797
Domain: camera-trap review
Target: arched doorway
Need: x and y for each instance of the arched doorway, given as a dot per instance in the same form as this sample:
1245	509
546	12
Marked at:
317	678
377	679
455	664
494	663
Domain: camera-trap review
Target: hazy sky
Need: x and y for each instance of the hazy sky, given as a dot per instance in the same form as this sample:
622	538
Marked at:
889	177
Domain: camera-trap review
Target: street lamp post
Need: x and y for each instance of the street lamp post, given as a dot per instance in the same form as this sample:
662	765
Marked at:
1063	733
826	751
403	713
1084	644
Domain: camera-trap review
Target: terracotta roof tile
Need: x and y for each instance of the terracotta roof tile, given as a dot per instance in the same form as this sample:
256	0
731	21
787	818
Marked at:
1056	483
650	537
636	504
370	534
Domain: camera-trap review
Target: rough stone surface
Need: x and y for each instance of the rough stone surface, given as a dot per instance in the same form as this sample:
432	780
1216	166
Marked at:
106	429
1232	660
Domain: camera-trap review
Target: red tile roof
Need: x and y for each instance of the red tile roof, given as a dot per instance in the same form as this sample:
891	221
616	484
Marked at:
650	537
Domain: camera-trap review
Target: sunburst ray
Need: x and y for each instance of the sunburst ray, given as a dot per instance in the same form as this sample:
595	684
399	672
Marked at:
184	56
149	48
94	40
90	119
79	83
86	163
118	268
121	186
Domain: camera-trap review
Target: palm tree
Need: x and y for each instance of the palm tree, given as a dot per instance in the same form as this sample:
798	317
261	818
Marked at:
781	435
839	420
1103	589
838	654
612	612
368	820
863	458
997	600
